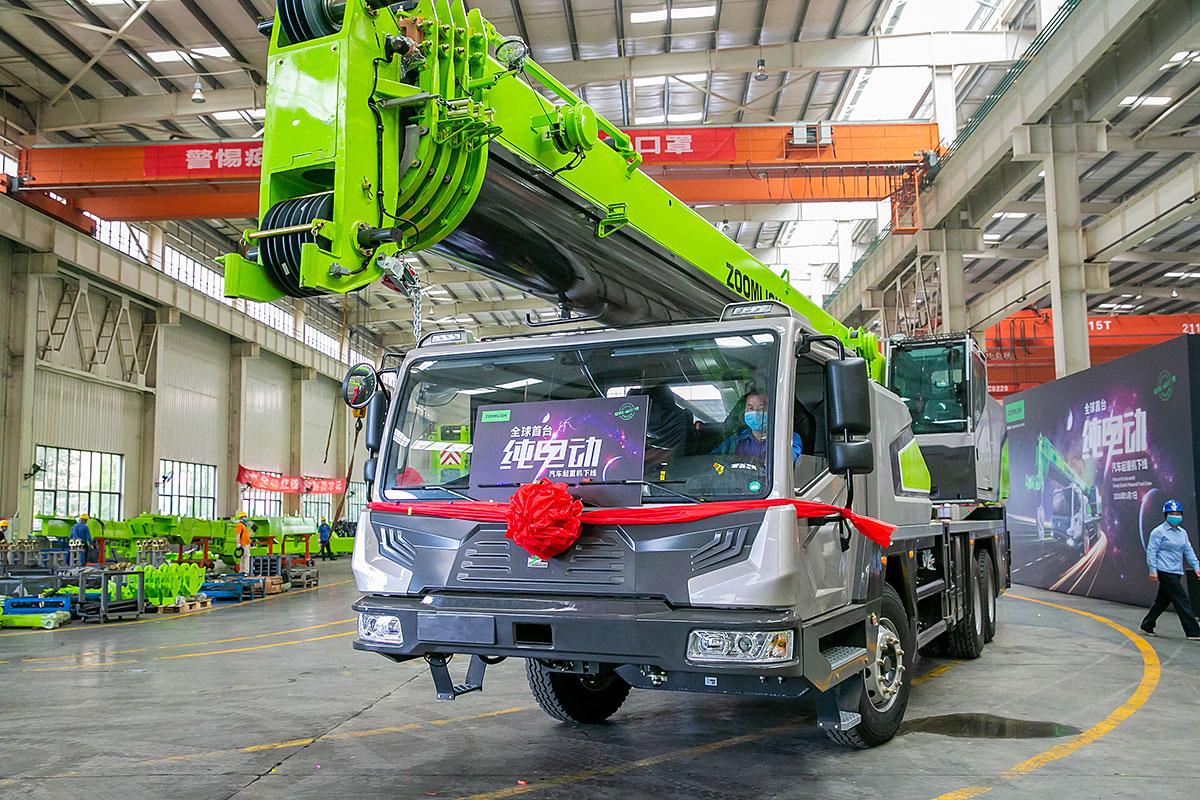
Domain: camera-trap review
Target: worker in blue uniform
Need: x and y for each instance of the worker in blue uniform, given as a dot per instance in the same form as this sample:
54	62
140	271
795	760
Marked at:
1166	551
751	440
81	532
324	532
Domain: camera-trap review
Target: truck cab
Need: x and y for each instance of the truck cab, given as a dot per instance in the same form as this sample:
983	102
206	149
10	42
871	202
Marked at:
755	601
943	382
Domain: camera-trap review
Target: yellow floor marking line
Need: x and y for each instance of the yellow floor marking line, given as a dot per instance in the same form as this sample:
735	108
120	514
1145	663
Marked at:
173	617
79	655
674	755
941	669
98	665
256	748
566	780
1151	674
302	742
200	655
257	646
256	635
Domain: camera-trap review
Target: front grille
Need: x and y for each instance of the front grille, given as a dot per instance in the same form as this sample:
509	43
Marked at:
598	559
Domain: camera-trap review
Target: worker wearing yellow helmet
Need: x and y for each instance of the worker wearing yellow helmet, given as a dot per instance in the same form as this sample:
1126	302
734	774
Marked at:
242	534
325	533
3	532
83	533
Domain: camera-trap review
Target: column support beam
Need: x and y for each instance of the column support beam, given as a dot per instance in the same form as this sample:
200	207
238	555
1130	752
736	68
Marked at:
239	353
20	335
1058	147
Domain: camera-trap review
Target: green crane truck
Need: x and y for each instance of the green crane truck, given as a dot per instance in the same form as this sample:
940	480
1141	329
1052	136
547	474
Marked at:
395	129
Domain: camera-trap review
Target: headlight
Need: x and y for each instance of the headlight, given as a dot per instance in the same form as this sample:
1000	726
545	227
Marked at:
740	647
380	628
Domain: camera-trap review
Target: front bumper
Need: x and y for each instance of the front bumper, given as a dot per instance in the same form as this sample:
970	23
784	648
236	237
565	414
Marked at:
645	637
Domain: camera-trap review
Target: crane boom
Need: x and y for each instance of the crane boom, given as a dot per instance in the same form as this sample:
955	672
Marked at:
418	126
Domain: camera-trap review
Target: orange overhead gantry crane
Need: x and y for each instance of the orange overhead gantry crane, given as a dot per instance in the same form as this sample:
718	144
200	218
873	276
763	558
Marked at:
702	166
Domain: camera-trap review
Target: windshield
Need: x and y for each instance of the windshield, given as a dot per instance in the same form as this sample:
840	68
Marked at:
931	380
708	417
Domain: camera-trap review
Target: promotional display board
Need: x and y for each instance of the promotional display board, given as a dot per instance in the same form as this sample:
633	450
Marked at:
576	442
1092	458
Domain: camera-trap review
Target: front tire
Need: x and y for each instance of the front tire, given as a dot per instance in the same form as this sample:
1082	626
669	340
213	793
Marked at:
884	697
588	699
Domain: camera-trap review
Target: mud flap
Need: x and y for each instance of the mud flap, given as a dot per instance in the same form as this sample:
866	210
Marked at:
837	708
444	684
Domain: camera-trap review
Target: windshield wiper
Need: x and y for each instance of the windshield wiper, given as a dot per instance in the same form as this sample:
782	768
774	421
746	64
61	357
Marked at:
628	482
635	482
442	487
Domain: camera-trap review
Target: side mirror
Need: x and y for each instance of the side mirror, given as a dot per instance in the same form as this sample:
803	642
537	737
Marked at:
847	397
856	457
370	467
360	385
376	417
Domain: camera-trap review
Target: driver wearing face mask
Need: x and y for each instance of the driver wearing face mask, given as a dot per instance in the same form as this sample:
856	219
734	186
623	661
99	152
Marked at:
751	441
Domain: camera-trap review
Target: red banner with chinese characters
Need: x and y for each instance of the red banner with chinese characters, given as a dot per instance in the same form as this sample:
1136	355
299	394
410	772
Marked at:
290	484
673	145
218	159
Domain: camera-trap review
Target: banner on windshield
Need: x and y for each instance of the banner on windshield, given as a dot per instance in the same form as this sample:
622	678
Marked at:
598	441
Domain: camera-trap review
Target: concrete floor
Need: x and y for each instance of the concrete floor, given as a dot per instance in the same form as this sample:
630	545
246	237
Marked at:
267	700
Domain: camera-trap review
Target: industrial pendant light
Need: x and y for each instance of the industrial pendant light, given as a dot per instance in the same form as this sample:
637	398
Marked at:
760	73
197	91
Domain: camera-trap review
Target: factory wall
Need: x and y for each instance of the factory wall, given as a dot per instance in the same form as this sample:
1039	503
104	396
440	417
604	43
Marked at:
160	385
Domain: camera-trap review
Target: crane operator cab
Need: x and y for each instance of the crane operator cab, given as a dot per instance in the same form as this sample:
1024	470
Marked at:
960	427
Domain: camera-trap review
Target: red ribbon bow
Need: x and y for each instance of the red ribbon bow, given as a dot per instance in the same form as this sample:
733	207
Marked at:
543	518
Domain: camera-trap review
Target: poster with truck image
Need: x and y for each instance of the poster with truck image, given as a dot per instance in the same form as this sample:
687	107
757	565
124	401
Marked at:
1092	458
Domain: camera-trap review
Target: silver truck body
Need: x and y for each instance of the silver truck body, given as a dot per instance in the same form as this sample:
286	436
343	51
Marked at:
628	599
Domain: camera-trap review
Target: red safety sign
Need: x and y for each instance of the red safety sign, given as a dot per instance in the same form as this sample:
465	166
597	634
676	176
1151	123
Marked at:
450	458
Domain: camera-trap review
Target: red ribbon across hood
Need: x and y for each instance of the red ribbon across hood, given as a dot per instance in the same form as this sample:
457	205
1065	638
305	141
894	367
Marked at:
543	524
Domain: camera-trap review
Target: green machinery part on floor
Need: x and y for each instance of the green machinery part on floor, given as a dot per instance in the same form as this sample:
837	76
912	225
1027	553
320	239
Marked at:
390	131
122	537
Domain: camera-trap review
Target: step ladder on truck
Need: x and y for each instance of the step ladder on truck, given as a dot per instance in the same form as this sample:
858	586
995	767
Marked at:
722	547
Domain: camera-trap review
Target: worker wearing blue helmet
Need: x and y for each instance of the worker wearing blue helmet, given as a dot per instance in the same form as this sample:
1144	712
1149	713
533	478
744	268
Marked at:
1166	551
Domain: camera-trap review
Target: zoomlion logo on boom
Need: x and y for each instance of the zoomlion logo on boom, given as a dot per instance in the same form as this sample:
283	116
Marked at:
746	286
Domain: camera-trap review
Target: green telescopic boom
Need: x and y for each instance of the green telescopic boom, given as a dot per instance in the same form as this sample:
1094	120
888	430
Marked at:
418	126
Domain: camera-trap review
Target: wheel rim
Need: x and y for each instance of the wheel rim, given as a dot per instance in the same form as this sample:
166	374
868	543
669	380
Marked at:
885	677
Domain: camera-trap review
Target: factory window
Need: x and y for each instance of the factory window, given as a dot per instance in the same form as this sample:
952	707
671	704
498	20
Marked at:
356	500
270	314
8	165
186	489
73	482
122	236
315	506
188	270
323	342
260	503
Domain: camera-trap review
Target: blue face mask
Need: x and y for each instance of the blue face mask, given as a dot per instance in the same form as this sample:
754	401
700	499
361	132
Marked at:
755	420
1175	519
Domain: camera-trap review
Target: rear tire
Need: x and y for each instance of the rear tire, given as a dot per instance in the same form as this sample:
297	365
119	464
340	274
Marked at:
988	576
587	699
966	639
884	697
